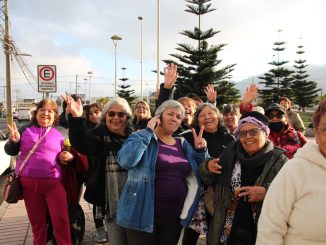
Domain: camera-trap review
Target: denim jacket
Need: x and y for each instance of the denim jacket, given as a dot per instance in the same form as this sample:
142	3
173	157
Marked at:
138	155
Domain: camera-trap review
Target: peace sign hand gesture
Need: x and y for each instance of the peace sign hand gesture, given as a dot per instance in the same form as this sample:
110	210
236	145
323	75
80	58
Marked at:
200	142
14	135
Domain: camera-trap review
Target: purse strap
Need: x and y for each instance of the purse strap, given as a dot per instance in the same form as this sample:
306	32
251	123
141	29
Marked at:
30	153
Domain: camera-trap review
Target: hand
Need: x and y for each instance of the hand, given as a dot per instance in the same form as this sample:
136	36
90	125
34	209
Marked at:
170	75
213	166
253	193
200	142
73	107
65	157
210	93
14	135
250	94
155	121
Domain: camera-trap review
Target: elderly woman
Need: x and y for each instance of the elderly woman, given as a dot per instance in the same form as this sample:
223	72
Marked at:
142	114
41	177
241	176
294	207
163	180
208	117
103	142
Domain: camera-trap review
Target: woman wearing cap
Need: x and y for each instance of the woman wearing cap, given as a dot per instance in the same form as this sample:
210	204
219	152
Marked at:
283	134
163	187
241	177
103	142
294	207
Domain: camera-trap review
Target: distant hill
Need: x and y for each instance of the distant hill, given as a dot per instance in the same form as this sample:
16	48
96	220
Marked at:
316	73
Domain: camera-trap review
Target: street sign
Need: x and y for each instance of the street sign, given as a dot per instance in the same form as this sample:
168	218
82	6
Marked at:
47	78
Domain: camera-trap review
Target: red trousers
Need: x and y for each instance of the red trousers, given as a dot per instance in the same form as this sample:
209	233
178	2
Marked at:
40	194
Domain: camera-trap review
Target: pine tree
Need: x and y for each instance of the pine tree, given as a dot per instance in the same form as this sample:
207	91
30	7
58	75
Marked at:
197	65
278	80
305	92
124	92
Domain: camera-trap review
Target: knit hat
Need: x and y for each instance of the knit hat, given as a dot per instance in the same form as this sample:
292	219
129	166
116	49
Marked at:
275	106
231	108
254	117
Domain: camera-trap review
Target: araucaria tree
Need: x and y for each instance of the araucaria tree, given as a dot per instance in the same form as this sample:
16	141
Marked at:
124	91
198	64
278	80
305	93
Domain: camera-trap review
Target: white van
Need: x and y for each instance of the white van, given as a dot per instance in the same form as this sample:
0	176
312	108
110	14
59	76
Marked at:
24	115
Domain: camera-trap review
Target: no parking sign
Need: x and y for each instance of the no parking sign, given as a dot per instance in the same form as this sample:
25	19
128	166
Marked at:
47	78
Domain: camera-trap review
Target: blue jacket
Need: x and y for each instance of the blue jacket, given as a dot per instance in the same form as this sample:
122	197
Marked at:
136	206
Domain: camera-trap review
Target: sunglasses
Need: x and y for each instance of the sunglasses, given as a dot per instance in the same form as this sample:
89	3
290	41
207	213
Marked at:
252	132
120	114
270	116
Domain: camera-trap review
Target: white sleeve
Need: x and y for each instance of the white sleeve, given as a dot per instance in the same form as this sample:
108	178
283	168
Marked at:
277	207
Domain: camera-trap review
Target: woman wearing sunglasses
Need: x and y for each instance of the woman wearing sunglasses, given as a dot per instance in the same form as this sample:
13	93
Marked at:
282	133
241	177
104	142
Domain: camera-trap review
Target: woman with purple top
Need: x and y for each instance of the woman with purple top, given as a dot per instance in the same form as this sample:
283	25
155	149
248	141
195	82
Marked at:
41	178
162	191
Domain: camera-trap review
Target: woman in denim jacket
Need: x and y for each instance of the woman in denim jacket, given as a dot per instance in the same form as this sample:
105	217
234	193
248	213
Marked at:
162	190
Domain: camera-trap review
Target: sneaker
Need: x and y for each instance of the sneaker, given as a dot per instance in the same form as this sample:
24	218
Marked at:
101	234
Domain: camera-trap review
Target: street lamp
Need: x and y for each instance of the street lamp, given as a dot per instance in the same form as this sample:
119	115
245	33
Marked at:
141	56
89	85
158	47
115	39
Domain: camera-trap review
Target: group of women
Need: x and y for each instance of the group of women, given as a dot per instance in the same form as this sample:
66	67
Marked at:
151	181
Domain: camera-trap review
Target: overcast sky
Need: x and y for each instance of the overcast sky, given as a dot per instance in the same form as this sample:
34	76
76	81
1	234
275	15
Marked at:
75	36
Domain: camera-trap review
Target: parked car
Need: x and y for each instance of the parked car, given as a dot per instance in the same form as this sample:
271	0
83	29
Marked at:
6	160
15	115
24	115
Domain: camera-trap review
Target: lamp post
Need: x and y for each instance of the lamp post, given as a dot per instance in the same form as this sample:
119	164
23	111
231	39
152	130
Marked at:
89	85
141	56
158	47
115	39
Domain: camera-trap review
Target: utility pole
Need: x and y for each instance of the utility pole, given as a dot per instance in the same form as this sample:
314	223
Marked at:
7	45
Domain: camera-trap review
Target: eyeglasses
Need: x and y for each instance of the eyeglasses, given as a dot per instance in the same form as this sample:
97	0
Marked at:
120	114
94	112
44	110
322	130
141	108
252	132
270	116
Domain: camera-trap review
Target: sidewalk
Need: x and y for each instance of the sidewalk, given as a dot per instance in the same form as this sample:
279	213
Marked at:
15	227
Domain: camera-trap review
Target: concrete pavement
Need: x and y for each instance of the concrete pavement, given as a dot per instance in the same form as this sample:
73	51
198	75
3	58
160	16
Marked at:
15	227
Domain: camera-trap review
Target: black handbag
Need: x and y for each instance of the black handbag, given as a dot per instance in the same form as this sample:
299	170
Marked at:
13	190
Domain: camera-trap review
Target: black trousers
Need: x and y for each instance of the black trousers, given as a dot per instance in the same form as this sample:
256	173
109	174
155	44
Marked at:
166	232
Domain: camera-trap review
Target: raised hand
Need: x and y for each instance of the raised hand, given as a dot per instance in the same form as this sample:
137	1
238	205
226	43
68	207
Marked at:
210	93
73	107
170	75
14	135
155	121
199	141
214	167
250	94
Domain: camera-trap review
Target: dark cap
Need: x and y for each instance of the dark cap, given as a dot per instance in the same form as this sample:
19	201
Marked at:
275	106
231	108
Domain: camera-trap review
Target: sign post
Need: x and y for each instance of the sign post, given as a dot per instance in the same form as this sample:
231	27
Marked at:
47	79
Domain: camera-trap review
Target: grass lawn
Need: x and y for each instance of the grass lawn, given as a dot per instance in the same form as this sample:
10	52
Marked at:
306	117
